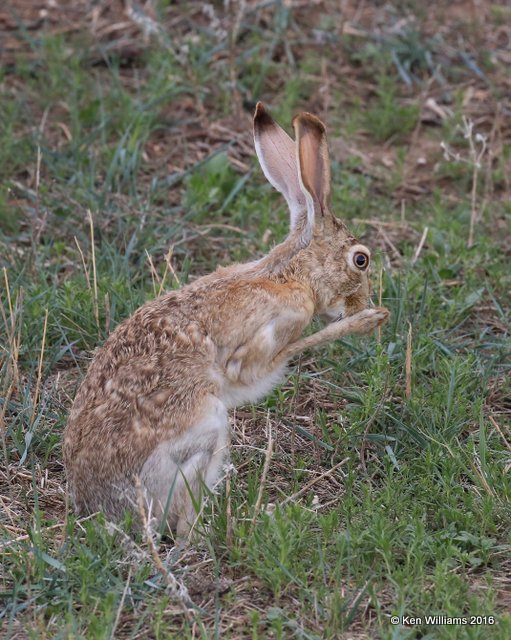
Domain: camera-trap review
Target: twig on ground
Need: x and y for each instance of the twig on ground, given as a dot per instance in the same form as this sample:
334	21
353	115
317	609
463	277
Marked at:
380	223
39	370
59	525
420	245
496	425
175	588
314	481
94	273
408	362
121	605
389	243
380	296
228	513
269	451
169	267
84	264
474	160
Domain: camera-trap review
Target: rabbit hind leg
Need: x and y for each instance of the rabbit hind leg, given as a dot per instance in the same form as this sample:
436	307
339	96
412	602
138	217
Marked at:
175	473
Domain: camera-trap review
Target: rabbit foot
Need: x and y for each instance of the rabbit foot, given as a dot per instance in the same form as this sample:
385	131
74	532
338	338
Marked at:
364	321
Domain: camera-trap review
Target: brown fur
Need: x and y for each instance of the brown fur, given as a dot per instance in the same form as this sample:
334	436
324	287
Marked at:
167	374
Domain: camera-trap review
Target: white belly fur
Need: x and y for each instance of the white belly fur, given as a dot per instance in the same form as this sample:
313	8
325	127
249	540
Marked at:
237	393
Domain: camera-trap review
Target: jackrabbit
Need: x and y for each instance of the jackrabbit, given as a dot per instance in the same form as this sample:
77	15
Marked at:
150	417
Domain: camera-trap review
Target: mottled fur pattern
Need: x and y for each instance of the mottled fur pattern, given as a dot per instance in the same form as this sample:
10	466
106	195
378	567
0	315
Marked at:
153	405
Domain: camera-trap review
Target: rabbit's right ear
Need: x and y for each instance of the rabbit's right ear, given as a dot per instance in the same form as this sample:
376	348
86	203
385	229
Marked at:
276	152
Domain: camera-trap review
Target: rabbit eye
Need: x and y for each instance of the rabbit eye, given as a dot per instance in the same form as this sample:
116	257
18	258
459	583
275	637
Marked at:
361	260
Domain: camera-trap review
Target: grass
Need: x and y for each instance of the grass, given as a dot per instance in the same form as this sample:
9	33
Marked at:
387	118
386	488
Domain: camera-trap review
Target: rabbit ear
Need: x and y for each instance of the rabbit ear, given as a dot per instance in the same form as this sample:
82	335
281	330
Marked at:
313	164
276	152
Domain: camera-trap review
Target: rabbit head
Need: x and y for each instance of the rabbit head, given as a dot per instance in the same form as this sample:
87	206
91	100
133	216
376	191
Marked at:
320	250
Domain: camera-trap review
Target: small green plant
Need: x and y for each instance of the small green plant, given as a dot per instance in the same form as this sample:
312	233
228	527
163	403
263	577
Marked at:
386	117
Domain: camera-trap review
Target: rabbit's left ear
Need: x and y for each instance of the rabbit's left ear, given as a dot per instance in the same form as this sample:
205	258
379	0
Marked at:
276	152
313	164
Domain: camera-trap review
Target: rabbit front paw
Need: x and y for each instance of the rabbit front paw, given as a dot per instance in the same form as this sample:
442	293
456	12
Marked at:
369	319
